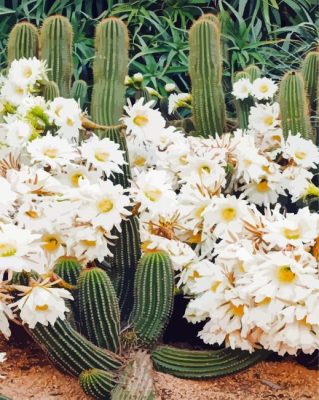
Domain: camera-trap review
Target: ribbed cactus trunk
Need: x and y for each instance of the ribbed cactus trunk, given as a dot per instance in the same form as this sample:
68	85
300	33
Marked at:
23	41
243	106
253	72
310	72
79	91
50	90
205	67
56	38
294	105
108	99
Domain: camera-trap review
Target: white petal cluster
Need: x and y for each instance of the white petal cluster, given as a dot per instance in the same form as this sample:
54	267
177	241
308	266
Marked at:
260	89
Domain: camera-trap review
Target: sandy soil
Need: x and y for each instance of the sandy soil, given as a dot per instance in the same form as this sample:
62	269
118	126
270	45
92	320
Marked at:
28	375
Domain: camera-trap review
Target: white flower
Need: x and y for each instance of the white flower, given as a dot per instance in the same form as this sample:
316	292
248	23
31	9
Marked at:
7	197
142	120
263	117
138	77
302	151
43	304
52	150
26	71
242	88
14	93
177	100
18	132
263	192
170	87
103	154
5	314
263	88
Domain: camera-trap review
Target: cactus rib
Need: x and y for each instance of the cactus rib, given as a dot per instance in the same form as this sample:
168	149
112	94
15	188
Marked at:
97	383
23	41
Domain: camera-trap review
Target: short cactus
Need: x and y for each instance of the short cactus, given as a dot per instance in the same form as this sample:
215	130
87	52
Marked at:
23	41
294	105
97	383
310	72
56	38
203	364
79	91
154	293
71	352
205	68
253	72
50	90
98	309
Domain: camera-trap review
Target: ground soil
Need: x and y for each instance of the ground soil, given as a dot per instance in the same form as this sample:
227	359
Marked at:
27	374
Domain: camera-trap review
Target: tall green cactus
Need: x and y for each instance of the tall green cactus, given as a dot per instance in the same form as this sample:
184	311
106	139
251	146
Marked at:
98	307
154	294
97	383
205	68
71	352
310	72
203	364
243	106
50	90
294	105
68	269
79	91
253	72
56	38
23	41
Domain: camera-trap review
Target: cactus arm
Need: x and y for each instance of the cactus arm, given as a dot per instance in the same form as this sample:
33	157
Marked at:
310	72
79	91
97	383
253	72
23	41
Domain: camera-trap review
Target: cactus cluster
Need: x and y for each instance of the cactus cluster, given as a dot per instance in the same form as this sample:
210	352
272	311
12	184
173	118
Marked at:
127	289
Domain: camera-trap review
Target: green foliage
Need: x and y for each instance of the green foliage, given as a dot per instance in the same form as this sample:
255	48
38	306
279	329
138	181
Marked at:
203	364
98	307
56	39
71	352
294	105
97	383
153	296
23	41
79	91
205	68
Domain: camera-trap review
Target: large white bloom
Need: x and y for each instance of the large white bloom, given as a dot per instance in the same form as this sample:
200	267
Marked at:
263	117
302	151
26	72
13	93
7	196
242	88
177	100
263	88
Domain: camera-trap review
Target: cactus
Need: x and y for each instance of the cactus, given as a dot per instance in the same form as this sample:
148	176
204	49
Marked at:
79	91
98	308
253	72
68	269
97	383
136	382
4	397
243	106
294	105
56	37
71	352
22	278
23	41
203	364
205	68
154	293
50	90
310	71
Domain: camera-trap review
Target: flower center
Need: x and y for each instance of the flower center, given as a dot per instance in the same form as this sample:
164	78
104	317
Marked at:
153	195
27	72
264	302
276	138
89	243
268	120
292	233
196	274
183	159
101	156
238	311
32	214
51	153
262	186
285	274
58	111
140	120
51	243
204	169
214	286
75	179
19	90
199	212
264	88
69	122
139	161
244	89
45	307
228	214
105	205
7	250
301	155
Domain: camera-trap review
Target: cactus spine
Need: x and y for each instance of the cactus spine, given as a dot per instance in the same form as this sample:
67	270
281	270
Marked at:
23	42
294	105
310	71
243	106
79	91
202	364
154	293
98	307
136	382
56	37
97	383
71	352
68	269
205	68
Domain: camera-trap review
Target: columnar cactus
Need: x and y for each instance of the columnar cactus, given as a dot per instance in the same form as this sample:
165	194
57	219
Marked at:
56	38
68	269
253	72
203	364
23	42
294	105
205	68
243	106
98	307
50	90
153	303
97	383
79	91
310	72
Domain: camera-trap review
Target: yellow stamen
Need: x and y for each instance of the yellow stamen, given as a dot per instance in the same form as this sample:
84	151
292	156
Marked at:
32	214
27	72
153	195
140	120
300	155
262	186
229	214
89	243
51	153
105	205
51	243
285	274
139	161
292	233
238	311
101	156
269	120
264	88
7	250
45	307
214	286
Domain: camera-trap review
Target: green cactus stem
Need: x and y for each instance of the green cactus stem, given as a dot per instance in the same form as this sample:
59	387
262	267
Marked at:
205	68
98	308
56	38
71	352
253	72
310	72
294	105
23	41
50	90
97	383
68	269
243	106
153	296
79	91
203	364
